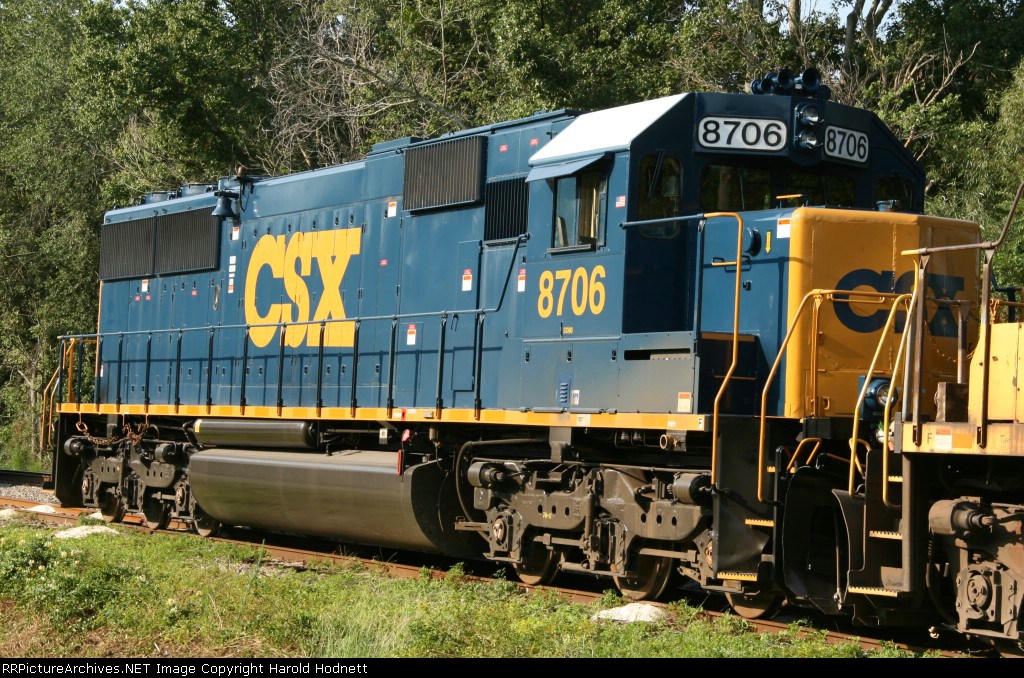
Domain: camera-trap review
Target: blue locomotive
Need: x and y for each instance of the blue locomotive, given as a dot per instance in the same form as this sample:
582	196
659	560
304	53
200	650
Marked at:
659	339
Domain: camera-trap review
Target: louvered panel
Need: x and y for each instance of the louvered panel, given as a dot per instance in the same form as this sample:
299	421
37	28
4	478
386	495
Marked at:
506	208
187	241
444	174
126	249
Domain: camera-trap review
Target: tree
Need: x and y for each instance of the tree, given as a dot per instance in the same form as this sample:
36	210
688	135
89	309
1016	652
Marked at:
105	100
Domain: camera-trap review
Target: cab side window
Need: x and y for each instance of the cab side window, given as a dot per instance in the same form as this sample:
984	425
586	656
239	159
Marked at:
579	210
660	181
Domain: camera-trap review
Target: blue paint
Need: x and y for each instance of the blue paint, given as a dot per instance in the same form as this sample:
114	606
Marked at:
662	298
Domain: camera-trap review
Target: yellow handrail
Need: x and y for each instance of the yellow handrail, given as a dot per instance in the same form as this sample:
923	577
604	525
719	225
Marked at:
886	417
49	397
817	294
796	453
903	298
735	335
46	414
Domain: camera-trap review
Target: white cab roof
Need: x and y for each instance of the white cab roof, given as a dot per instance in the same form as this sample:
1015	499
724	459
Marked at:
612	129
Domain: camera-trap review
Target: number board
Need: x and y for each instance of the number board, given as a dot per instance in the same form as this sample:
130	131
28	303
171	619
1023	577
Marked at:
846	144
742	134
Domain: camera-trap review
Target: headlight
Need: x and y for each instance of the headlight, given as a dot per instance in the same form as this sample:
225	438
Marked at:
808	139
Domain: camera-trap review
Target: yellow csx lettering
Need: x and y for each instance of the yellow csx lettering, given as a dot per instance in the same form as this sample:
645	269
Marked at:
292	262
585	290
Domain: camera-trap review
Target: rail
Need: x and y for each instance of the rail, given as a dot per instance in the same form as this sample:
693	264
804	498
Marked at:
924	255
818	296
49	404
738	263
907	300
887	414
71	348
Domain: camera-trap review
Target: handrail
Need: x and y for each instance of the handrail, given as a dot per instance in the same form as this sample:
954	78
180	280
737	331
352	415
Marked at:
854	440
796	453
735	336
479	312
49	398
73	361
817	294
886	416
351	319
985	341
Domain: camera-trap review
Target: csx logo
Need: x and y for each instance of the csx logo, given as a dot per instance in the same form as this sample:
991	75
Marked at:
292	263
941	324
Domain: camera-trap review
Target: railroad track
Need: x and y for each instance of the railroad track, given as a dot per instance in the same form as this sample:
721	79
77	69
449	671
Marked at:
294	556
15	477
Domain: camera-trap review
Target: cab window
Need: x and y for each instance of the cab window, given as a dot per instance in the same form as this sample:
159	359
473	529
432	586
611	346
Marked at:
724	188
658	194
579	210
834	190
660	178
894	190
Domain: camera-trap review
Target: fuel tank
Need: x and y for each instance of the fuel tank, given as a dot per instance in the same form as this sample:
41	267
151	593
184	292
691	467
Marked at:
354	495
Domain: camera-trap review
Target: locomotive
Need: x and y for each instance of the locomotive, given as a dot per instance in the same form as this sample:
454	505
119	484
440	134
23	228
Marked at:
695	336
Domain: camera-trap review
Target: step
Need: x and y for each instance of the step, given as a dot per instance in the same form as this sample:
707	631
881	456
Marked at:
871	591
759	522
738	576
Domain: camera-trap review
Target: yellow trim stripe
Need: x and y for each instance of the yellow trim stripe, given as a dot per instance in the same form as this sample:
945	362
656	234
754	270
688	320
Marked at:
638	420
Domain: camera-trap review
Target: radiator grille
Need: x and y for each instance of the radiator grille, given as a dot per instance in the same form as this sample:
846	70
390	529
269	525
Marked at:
187	241
444	174
126	249
165	244
506	208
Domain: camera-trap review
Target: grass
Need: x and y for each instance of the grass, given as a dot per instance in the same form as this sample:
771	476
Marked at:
167	595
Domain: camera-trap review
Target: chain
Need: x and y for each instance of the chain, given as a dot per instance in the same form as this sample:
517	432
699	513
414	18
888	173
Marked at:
84	430
133	437
952	358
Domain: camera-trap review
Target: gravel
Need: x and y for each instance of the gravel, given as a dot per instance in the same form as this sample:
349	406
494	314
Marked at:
27	493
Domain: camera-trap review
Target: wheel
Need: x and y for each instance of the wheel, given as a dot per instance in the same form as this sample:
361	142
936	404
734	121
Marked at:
649	580
755	604
157	513
538	567
206	526
112	508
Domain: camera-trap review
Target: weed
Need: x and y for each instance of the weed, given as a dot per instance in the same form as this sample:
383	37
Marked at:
191	597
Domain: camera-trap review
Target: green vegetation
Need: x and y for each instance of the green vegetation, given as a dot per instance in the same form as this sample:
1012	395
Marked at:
137	595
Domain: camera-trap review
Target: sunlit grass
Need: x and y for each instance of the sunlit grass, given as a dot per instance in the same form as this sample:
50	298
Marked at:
136	595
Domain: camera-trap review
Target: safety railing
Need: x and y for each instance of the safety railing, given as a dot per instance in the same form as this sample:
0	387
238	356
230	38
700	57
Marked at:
912	409
909	301
50	398
738	263
996	306
69	342
818	296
